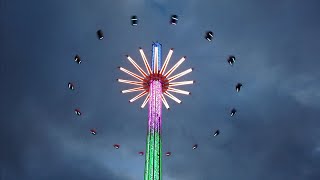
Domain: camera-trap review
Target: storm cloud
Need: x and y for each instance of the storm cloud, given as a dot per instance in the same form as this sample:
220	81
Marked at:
274	135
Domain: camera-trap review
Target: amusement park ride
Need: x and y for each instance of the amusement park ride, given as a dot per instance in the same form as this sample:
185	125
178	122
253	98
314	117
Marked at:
154	84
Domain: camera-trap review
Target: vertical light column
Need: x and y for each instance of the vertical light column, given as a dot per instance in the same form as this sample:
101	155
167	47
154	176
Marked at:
153	163
159	47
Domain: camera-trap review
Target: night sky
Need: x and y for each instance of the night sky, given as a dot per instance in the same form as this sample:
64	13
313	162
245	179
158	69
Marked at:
275	134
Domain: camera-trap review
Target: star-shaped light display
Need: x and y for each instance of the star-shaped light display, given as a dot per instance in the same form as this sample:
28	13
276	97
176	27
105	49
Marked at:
144	81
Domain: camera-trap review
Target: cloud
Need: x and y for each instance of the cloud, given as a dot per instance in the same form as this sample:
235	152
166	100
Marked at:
37	148
304	88
273	136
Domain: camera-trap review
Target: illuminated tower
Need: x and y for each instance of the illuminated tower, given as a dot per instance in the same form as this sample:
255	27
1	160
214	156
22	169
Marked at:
155	84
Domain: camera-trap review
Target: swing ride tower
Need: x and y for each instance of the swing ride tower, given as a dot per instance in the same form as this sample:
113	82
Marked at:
155	84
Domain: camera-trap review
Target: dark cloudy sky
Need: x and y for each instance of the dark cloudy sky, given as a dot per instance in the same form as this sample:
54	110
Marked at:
274	136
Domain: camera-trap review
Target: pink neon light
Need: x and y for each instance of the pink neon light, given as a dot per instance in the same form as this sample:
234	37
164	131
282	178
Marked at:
155	107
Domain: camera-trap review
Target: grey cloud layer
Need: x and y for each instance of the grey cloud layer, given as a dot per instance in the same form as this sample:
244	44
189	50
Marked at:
273	136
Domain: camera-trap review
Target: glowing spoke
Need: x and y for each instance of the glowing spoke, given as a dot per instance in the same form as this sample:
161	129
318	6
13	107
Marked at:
137	66
166	62
172	97
171	84
164	101
133	90
145	101
180	74
145	61
138	96
175	67
129	82
131	73
178	91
